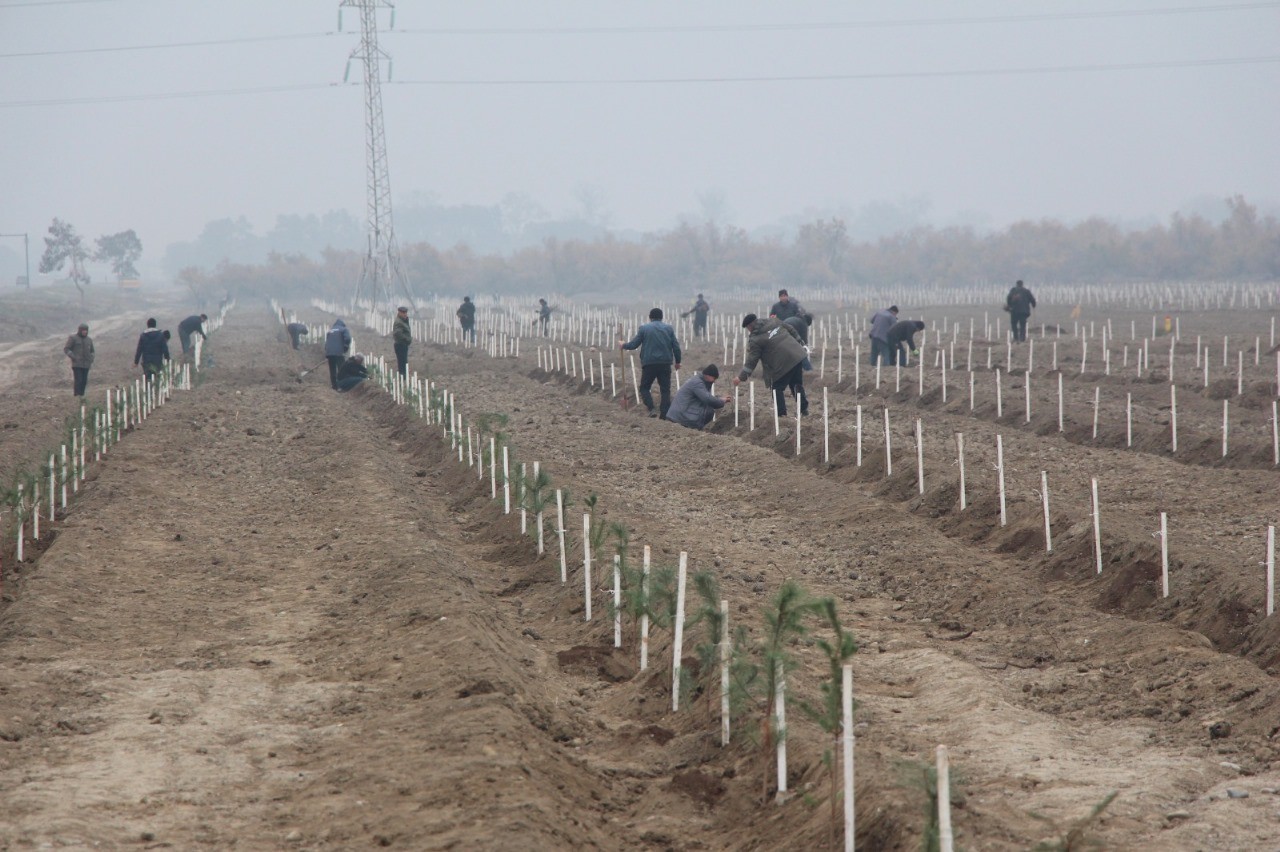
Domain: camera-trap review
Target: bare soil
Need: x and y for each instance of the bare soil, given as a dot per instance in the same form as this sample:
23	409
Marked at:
279	617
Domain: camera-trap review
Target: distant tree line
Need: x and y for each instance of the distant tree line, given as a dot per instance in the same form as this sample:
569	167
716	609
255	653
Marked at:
710	257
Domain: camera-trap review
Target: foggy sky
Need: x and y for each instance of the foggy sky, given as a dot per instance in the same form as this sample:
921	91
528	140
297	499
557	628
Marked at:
1122	144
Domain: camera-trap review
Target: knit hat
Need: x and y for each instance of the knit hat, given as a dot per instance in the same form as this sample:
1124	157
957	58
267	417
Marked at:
711	370
748	319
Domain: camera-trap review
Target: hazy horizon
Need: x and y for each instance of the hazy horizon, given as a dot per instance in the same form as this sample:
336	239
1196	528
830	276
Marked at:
749	113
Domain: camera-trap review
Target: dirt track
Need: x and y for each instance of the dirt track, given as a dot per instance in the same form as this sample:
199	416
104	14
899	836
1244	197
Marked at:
278	617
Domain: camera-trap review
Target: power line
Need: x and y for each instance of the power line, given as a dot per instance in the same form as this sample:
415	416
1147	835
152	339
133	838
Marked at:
707	28
847	25
167	45
796	78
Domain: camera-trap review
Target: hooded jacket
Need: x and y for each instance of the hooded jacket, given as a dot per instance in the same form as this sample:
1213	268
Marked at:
80	350
774	343
337	340
657	344
694	404
152	348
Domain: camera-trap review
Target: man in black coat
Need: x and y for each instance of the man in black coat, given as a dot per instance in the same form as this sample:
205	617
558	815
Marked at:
152	350
902	336
1019	303
191	325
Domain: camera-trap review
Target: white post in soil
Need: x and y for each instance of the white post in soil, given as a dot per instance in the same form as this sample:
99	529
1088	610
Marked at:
493	468
751	406
776	428
1240	373
1128	420
53	490
22	533
586	564
1097	391
64	477
506	480
1173	416
1097	528
826	429
960	462
797	427
1164	554
725	661
35	511
1044	502
971	397
1000	476
999	396
736	388
564	566
945	841
1271	569
677	646
888	455
1224	428
919	457
1275	432
523	485
846	738
541	500
857	428
780	728
1060	419
644	616
617	601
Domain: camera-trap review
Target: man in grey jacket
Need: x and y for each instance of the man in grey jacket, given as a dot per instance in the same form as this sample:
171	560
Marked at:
337	343
659	349
694	405
881	322
79	349
776	344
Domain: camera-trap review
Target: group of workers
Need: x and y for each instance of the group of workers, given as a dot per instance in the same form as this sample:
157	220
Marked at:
150	354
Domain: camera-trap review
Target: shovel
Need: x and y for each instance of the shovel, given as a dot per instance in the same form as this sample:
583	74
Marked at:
312	369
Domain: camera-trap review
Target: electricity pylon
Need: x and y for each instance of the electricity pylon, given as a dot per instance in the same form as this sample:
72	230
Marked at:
380	275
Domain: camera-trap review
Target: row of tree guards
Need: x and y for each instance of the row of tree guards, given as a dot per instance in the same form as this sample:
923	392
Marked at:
92	432
525	495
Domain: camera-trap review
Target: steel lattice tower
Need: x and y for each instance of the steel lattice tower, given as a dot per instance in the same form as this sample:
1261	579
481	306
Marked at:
380	277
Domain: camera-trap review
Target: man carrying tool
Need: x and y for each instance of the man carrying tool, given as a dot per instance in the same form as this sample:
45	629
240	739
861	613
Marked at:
694	405
659	349
699	310
778	346
401	337
337	342
152	350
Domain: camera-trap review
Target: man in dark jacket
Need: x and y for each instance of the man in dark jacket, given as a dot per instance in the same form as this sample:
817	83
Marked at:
659	349
694	405
337	342
544	317
902	336
152	350
785	306
297	330
189	326
699	310
79	349
351	373
881	322
401	337
1019	303
776	344
466	314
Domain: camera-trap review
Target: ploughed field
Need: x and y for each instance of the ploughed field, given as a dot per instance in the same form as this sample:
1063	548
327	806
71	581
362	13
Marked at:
279	617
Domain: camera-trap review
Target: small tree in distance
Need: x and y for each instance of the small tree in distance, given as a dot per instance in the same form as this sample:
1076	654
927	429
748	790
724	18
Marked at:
63	246
121	250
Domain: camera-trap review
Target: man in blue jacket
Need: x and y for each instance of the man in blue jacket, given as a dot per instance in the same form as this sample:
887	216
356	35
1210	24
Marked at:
659	349
337	343
695	405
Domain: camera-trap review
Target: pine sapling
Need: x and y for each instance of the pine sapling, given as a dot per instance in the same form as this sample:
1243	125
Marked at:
830	712
742	671
784	624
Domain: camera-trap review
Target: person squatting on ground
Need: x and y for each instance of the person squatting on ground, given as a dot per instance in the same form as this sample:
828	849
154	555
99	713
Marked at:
466	314
699	310
694	405
79	349
297	330
544	317
659	349
1019	303
902	336
337	342
776	345
401	337
881	321
189	326
152	351
785	306
351	373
